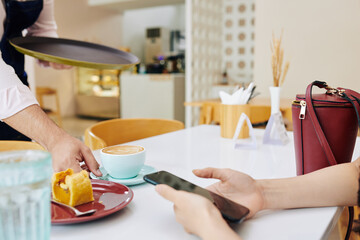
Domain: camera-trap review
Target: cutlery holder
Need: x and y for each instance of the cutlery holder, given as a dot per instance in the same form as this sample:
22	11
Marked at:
229	117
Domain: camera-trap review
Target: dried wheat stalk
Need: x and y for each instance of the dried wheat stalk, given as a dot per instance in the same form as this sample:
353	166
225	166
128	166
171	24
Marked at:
277	58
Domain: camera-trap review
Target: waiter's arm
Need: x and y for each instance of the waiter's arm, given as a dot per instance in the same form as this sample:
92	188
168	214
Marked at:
66	150
20	110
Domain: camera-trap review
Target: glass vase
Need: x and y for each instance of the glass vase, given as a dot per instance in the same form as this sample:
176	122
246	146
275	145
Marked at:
275	99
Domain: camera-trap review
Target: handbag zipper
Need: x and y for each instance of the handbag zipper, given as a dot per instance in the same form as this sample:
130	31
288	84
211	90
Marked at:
302	104
298	103
302	109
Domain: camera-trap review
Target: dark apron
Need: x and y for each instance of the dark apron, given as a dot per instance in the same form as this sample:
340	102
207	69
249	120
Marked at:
19	16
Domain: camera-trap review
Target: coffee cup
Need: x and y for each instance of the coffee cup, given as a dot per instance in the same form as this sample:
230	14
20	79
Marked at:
123	161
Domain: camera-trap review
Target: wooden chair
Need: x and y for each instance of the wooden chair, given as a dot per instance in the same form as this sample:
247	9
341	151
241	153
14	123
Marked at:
46	91
19	145
210	113
117	131
343	221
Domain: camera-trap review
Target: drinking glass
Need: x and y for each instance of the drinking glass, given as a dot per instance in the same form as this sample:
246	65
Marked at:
25	195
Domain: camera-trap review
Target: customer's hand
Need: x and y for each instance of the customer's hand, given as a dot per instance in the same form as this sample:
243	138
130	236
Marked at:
236	186
53	65
68	152
197	214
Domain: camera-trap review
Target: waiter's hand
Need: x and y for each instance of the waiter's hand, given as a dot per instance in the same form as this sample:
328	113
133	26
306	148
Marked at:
68	152
57	66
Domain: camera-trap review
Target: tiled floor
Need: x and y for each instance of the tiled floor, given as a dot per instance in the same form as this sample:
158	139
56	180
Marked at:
76	126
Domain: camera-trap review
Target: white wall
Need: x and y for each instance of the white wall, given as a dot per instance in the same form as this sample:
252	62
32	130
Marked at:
321	40
136	21
76	20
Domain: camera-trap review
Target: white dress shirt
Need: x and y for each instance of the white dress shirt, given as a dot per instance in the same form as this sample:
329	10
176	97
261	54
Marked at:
14	95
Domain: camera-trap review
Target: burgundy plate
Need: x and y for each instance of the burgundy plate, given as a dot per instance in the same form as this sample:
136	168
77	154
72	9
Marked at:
109	197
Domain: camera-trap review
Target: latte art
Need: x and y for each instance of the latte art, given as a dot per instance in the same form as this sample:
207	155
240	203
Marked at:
124	161
123	150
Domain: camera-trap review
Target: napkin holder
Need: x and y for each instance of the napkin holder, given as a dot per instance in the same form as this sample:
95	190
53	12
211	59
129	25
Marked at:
250	144
275	131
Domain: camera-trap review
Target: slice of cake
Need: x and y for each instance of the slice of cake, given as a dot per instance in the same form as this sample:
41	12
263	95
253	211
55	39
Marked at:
72	188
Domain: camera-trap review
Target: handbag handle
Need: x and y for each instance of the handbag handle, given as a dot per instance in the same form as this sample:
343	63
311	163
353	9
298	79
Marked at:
315	122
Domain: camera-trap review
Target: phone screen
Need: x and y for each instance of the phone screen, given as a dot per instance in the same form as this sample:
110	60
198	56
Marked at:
230	210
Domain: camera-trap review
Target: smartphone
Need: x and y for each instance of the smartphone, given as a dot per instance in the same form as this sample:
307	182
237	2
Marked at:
230	210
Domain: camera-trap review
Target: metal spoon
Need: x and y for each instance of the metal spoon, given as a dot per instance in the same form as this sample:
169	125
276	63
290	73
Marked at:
77	212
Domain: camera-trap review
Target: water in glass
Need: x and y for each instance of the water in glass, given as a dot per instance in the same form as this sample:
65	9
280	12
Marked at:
25	195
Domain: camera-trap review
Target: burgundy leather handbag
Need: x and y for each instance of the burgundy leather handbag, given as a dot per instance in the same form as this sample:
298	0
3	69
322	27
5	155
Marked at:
325	129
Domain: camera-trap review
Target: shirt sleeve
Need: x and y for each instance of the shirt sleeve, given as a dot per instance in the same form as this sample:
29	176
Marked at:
14	95
45	25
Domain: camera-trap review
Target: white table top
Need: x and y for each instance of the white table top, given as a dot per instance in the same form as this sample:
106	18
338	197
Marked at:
149	216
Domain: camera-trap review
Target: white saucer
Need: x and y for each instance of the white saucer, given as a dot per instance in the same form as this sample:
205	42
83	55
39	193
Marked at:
128	181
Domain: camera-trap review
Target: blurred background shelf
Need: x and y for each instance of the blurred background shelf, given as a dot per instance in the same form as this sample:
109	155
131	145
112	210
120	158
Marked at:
97	93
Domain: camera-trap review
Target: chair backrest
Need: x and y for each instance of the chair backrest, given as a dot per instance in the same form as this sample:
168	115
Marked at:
117	131
210	113
19	145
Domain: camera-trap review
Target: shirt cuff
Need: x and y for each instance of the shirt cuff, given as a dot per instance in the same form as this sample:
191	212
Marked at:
14	99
